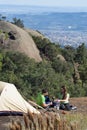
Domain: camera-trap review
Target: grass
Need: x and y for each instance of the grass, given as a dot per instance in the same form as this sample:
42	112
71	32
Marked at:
51	121
76	121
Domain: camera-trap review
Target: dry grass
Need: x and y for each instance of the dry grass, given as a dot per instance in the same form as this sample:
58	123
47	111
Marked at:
51	121
58	120
75	121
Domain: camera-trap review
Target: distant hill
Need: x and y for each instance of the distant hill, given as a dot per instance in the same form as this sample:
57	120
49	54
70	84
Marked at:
63	25
18	39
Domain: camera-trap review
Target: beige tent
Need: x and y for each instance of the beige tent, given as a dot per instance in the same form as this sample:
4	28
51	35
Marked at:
11	100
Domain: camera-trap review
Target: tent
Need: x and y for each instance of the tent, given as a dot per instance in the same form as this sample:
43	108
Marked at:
12	101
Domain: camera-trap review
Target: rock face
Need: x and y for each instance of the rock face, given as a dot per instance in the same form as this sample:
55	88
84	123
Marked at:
18	39
61	58
35	33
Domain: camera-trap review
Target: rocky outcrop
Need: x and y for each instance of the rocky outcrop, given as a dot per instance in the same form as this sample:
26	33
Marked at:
18	39
34	33
60	57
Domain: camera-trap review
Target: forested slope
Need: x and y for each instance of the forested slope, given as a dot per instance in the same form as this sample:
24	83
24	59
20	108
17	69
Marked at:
57	66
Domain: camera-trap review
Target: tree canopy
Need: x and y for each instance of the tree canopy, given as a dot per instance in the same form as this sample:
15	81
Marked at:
53	72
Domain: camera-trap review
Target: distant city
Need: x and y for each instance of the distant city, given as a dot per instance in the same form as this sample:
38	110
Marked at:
65	26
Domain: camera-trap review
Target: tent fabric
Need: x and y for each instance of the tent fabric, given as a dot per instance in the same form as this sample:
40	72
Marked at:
11	100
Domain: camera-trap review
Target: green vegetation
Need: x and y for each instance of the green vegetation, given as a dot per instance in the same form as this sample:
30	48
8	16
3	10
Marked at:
18	22
2	17
3	38
54	71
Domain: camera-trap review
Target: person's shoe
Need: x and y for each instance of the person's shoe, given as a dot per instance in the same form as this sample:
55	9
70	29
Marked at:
74	108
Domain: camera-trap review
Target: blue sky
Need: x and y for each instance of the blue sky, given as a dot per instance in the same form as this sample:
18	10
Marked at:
75	3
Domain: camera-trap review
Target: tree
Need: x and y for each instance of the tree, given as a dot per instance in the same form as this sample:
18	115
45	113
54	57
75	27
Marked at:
69	53
4	18
1	60
83	73
60	66
18	22
81	54
47	48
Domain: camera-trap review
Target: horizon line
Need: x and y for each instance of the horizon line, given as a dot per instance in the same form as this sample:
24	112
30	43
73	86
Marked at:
45	5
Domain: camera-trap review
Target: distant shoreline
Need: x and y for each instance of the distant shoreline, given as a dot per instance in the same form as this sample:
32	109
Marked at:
66	28
67	9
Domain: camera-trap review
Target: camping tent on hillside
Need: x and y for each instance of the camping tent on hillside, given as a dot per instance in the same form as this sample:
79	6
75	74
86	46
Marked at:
12	101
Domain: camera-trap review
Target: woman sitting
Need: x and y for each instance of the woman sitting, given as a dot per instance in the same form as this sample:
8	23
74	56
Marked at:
64	102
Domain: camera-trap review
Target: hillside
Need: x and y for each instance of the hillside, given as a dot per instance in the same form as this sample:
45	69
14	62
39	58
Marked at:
17	39
55	70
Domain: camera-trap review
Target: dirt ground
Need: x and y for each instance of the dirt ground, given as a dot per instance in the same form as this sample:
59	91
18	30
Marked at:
80	103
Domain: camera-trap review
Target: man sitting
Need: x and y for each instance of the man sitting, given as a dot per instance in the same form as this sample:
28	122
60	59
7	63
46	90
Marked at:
41	99
44	100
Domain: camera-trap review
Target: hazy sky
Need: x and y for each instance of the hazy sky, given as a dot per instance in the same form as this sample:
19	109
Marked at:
46	2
